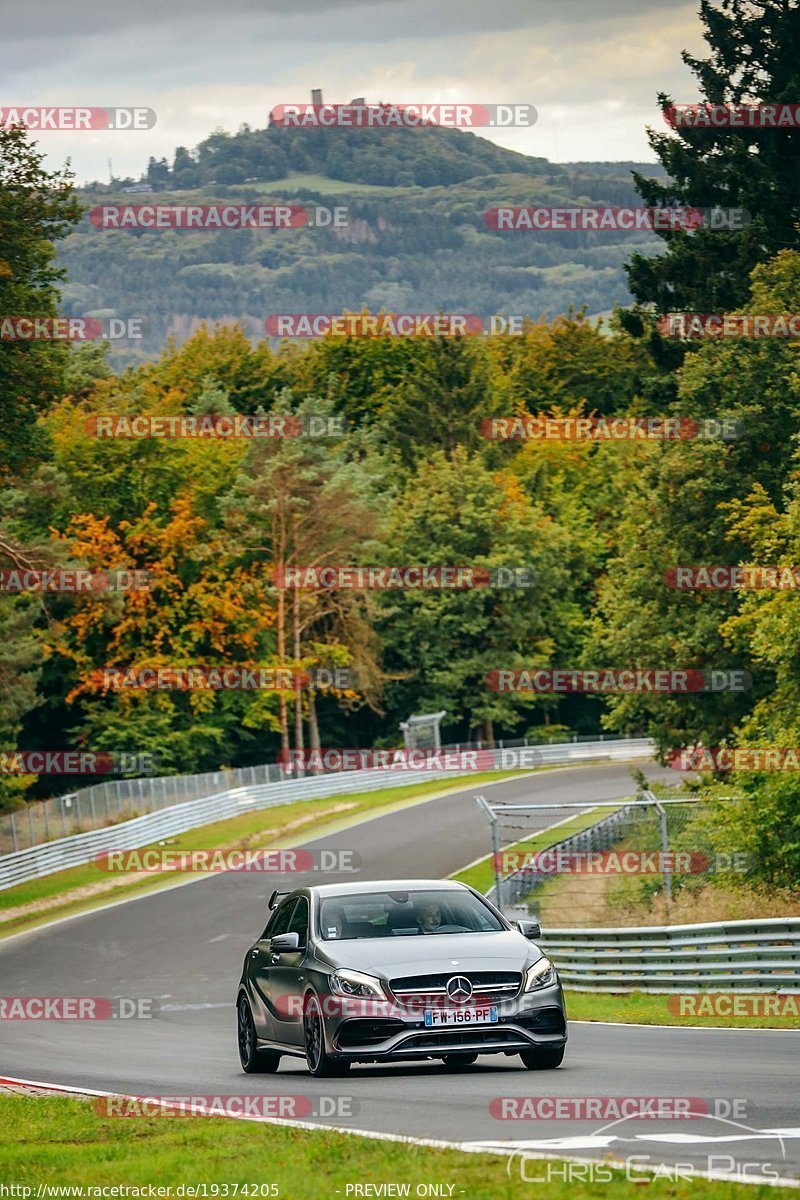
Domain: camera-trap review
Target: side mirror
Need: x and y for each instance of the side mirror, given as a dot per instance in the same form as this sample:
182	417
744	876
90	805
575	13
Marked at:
529	929
284	941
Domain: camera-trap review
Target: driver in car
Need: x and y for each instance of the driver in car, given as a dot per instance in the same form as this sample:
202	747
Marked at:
429	916
334	921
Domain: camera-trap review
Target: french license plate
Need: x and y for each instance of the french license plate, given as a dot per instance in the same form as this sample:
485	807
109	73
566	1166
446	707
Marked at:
461	1016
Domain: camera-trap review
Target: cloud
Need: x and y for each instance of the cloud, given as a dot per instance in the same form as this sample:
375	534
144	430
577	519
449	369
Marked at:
591	69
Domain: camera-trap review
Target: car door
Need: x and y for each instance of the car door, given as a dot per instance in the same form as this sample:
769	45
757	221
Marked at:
265	1015
287	977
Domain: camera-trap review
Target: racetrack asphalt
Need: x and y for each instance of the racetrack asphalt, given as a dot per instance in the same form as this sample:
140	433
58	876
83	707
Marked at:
183	947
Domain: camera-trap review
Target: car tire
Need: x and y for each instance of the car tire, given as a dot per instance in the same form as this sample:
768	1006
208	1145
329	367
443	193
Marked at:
253	1060
320	1063
457	1061
544	1058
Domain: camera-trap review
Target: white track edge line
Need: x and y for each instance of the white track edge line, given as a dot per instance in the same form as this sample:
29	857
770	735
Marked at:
376	1135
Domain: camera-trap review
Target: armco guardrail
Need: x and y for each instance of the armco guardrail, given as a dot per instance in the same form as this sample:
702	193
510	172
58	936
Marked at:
116	800
81	848
730	955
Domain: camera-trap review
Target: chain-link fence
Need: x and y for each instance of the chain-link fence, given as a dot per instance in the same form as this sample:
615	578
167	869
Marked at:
613	862
116	800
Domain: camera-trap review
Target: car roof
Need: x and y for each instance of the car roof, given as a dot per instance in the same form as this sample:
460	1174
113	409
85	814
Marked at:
385	885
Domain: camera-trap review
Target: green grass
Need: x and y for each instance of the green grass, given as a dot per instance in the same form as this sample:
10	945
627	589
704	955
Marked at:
244	832
315	183
480	875
645	1009
58	1141
634	1007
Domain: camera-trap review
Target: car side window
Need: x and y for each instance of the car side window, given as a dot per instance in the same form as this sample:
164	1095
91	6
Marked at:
279	921
299	922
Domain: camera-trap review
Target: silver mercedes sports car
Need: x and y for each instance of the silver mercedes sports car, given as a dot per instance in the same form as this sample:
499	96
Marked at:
392	971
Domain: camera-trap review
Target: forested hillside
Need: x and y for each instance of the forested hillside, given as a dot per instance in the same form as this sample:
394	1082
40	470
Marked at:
405	473
416	239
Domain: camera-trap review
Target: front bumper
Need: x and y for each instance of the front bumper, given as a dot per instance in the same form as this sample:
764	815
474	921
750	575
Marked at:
389	1032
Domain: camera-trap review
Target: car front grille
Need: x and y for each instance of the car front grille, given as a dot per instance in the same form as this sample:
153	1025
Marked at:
487	986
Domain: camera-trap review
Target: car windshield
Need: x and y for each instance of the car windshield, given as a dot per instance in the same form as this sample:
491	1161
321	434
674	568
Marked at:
404	914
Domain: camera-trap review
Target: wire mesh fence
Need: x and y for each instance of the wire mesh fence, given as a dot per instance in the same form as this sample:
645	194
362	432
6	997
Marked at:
116	800
610	864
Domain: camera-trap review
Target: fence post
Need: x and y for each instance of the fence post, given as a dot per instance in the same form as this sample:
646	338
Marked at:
498	874
14	833
667	872
30	824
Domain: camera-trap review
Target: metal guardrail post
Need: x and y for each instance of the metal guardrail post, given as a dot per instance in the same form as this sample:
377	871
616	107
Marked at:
666	870
486	808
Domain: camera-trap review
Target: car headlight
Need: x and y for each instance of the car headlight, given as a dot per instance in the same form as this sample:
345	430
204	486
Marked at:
356	983
540	975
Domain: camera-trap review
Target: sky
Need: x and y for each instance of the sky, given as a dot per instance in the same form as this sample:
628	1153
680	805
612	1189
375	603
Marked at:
592	68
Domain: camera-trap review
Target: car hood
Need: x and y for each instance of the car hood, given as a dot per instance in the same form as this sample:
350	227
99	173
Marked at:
423	954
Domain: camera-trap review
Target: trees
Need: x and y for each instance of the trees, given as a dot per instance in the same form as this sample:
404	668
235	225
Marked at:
37	208
754	56
305	501
677	514
440	645
439	401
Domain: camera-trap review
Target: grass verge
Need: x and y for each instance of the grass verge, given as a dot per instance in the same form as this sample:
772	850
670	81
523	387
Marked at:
62	1142
640	1008
480	874
643	1008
